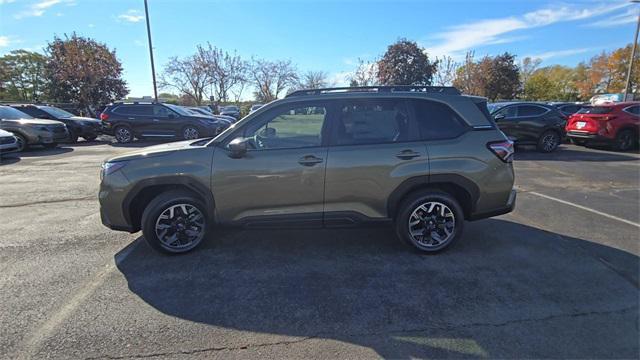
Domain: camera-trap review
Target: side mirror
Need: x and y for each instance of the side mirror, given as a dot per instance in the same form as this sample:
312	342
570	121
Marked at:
238	147
499	117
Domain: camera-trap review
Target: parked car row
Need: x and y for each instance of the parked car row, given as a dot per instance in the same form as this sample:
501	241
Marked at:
29	131
547	125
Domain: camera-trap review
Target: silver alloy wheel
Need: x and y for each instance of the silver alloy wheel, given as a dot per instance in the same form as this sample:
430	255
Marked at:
432	224
21	142
550	141
180	227
190	133
123	135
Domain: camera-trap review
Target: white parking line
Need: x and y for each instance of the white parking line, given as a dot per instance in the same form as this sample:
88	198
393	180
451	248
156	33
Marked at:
585	208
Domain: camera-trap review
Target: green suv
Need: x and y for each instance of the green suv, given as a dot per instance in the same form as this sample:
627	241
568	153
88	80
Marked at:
423	158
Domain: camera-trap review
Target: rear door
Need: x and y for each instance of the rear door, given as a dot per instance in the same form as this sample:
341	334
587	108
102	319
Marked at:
374	147
530	122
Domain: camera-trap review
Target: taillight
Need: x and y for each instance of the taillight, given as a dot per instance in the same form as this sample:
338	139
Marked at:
503	149
104	117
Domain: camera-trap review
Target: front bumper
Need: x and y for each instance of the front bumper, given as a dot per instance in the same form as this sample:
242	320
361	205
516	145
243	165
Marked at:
112	196
510	205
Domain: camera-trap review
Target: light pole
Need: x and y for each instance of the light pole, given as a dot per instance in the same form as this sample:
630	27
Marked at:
627	87
153	68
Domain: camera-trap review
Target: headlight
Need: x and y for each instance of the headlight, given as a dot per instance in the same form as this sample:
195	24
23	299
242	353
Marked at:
111	167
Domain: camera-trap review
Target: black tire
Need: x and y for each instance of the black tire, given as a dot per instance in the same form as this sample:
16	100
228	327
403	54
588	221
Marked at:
190	132
73	137
50	145
90	138
579	142
22	142
162	203
123	134
548	141
413	204
626	139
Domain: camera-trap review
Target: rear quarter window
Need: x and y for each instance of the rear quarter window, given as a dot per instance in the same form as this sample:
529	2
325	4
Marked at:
595	110
437	121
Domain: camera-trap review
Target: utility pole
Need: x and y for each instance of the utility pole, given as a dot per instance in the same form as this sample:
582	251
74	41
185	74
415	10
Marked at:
153	68
627	87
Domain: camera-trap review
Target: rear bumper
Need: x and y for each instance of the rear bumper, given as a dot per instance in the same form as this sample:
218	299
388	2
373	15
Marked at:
510	205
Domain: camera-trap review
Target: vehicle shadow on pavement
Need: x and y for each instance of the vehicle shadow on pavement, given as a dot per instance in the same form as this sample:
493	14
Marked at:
564	153
504	290
9	159
40	151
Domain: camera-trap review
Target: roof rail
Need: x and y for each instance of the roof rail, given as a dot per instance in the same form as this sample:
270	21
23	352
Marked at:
449	90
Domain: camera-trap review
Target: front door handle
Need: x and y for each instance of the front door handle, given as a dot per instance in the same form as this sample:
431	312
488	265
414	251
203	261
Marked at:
407	154
309	160
156	120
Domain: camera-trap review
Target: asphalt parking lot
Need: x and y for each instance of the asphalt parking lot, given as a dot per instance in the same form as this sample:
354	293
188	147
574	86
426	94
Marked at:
556	278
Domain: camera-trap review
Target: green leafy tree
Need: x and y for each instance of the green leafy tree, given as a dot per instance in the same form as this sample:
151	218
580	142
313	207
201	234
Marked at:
22	76
405	63
503	77
83	71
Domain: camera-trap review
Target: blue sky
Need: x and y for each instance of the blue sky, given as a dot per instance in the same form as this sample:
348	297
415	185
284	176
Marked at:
322	35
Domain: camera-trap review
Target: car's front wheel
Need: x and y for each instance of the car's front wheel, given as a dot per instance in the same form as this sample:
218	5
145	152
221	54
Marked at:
190	133
174	222
22	142
430	221
549	141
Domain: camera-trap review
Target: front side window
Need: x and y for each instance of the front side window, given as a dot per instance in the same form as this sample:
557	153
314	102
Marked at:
530	110
373	122
635	110
293	126
436	120
161	111
55	112
507	111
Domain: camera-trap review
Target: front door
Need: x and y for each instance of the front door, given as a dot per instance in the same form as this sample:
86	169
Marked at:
507	120
280	180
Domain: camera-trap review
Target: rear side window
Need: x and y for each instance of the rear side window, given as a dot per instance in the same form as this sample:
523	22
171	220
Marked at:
31	111
531	110
595	110
437	121
139	110
373	122
570	109
635	110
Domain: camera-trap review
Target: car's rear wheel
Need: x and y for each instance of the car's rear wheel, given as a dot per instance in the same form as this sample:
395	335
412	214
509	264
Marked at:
549	141
430	221
625	140
123	134
73	137
22	142
190	133
174	222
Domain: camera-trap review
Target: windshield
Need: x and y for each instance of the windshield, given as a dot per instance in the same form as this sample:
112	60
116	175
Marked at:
9	113
55	112
180	110
595	110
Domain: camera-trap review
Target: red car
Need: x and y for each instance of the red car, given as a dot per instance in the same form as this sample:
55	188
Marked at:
617	124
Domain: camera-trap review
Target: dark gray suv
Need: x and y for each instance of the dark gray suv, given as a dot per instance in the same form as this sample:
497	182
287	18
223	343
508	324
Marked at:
423	158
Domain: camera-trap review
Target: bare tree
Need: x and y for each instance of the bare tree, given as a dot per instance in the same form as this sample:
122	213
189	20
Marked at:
313	80
366	74
527	67
225	70
189	76
446	71
271	78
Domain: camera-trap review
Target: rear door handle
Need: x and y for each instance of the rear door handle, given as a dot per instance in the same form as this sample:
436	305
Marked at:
407	154
309	160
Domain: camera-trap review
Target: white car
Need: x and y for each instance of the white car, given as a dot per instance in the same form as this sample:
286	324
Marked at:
8	142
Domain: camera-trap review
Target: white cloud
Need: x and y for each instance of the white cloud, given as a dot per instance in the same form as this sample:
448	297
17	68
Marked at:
6	1
626	17
131	15
559	53
40	7
4	41
458	39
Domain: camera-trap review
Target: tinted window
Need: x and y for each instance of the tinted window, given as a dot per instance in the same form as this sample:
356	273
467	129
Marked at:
436	120
145	110
530	110
570	109
508	112
294	126
372	122
32	111
595	110
161	111
633	110
10	113
58	113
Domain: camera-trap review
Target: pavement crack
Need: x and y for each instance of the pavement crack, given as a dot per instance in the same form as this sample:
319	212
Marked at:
55	201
